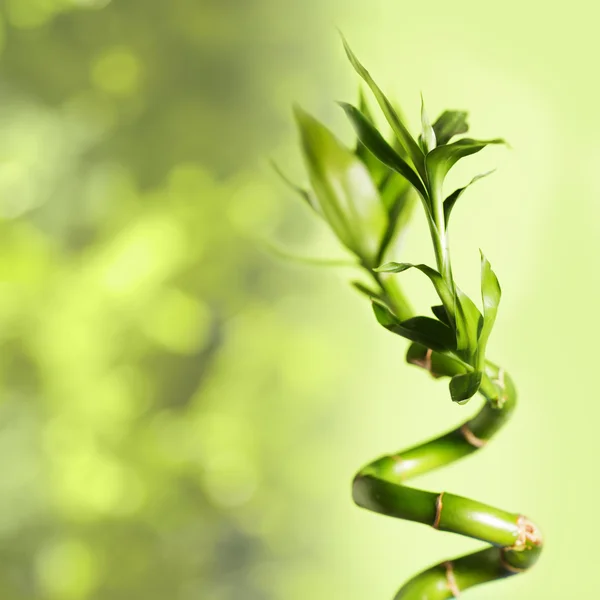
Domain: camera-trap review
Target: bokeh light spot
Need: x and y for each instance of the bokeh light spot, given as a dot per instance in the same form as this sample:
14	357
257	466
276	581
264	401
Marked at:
87	482
30	14
117	71
91	3
230	478
178	322
67	569
2	33
142	256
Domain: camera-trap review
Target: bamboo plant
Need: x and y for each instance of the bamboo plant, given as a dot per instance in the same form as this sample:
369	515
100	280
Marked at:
365	195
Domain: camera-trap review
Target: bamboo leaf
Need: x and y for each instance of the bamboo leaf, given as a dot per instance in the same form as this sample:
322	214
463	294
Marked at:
398	127
398	204
304	194
396	144
346	194
468	323
363	105
394	267
440	312
443	158
439	364
383	314
379	171
364	289
449	124
315	261
393	187
423	330
378	146
429	332
490	289
399	200
490	294
439	284
465	386
450	201
428	134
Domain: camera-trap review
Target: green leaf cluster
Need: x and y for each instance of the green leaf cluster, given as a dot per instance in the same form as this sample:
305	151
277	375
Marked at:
364	195
364	201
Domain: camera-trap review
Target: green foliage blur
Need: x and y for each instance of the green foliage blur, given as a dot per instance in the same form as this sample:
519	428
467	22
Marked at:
182	413
139	359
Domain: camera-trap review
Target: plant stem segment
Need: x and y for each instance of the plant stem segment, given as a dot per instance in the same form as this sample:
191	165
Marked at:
380	487
439	236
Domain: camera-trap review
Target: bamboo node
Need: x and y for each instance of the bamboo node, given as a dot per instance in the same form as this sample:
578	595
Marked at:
425	363
527	534
451	579
507	566
500	383
471	437
438	511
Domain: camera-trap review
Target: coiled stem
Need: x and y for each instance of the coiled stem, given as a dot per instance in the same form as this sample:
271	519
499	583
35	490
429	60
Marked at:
380	486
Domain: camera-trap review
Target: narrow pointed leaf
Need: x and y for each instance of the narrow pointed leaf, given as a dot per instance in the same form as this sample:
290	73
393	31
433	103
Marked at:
465	386
377	169
439	284
490	294
490	288
377	145
347	196
304	194
449	124
383	314
428	134
402	133
440	365
440	312
365	290
468	323
426	331
315	261
393	267
443	158
363	105
391	188
399	200
450	201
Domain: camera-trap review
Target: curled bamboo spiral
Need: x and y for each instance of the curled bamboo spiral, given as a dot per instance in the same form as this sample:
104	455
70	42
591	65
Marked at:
515	541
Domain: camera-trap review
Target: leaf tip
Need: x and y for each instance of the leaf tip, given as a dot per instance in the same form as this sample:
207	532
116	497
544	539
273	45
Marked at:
464	386
300	115
345	106
278	171
345	43
299	112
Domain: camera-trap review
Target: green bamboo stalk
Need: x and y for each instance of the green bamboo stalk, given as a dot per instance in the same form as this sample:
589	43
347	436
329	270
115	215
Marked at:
366	197
379	487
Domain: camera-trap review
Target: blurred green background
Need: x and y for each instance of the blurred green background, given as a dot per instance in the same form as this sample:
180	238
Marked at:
182	413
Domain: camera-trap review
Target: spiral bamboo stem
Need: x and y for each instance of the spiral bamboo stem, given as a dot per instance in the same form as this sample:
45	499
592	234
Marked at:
380	486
